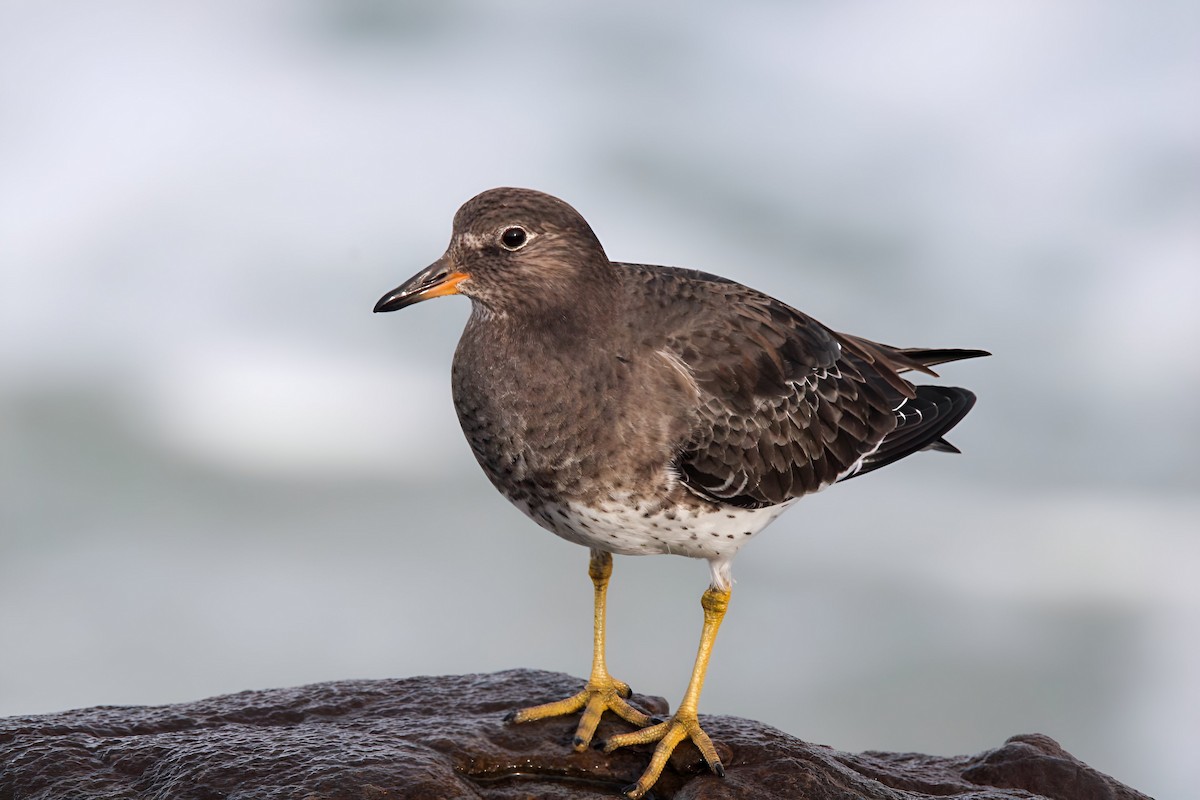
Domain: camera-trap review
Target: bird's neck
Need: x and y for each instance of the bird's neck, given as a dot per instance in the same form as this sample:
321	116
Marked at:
567	314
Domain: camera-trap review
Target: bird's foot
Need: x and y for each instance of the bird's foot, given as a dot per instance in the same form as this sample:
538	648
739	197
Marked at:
668	735
602	693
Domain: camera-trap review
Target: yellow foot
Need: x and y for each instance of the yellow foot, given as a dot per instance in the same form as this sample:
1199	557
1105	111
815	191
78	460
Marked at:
668	735
602	693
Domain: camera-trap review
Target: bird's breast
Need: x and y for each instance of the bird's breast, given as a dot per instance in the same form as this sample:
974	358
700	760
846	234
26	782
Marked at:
587	425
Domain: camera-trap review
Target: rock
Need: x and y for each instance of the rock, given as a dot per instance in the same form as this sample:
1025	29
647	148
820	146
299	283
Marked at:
444	737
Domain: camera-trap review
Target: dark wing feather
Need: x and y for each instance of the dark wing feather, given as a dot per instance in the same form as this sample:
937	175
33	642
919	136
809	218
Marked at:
920	423
785	405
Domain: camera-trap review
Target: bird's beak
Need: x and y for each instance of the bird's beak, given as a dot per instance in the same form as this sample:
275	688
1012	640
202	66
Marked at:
436	280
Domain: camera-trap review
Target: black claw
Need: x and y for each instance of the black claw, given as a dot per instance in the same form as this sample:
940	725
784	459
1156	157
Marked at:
577	741
510	716
718	768
657	720
599	744
628	789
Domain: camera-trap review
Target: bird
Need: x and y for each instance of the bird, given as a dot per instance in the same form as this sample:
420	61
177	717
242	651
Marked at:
639	410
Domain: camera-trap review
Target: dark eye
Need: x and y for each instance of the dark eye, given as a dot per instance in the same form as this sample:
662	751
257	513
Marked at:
514	238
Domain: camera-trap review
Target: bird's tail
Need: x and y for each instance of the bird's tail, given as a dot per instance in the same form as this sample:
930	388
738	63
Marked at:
904	359
932	356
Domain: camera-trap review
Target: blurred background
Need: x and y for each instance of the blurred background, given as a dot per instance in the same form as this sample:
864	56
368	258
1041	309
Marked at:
221	471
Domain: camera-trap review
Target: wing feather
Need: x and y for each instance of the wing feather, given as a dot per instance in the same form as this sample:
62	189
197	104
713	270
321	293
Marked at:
786	406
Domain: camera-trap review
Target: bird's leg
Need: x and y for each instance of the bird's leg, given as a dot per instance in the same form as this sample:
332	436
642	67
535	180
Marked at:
602	692
684	724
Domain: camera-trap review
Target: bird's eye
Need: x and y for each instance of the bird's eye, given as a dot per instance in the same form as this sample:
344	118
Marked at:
514	238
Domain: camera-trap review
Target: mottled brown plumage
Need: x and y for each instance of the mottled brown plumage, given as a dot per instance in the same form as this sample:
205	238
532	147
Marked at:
639	409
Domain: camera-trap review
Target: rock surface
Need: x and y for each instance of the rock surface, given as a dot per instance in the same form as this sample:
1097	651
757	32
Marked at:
436	738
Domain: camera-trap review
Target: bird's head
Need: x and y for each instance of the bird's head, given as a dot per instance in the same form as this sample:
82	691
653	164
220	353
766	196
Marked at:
512	251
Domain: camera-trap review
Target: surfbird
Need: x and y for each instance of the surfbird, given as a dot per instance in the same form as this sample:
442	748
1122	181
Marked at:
638	410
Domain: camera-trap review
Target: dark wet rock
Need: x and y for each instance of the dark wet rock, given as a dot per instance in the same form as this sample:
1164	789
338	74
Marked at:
437	738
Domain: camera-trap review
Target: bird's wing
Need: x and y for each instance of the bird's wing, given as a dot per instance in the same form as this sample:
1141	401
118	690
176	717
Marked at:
787	406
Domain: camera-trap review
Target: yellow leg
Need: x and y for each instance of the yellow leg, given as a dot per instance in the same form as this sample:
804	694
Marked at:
602	691
684	724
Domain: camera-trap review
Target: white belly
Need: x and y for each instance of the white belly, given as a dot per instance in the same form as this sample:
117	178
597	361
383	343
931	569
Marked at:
648	529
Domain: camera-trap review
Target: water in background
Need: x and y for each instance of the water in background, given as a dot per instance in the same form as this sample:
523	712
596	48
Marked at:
221	472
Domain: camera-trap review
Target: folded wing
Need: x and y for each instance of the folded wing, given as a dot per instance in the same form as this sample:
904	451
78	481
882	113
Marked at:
787	406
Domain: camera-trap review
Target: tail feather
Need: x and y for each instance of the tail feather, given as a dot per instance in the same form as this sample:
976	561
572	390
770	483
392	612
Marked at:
942	446
904	359
932	356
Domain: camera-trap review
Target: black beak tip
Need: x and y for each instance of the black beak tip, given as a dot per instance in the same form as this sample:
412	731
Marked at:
389	302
